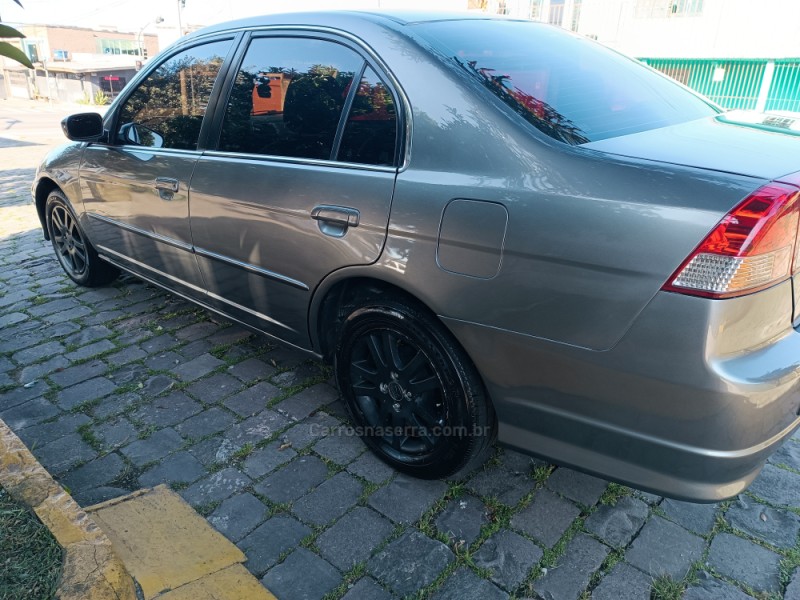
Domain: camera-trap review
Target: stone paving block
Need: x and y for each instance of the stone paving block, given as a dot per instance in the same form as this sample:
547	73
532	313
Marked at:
87	335
576	486
91	496
22	394
163	361
37	353
252	400
330	500
697	518
793	589
546	518
96	473
111	406
39	435
215	388
127	374
196	331
745	561
34	372
303	403
160	343
126	356
197	367
155	447
623	583
340	448
509	557
180	467
91	350
777	486
405	499
232	334
293	480
251	370
29	413
12	319
270	540
788	454
507	486
303	575
216	449
371	468
776	527
79	373
664	548
367	589
64	453
462	519
157	385
167	410
352	538
569	578
78	394
410	563
6	365
216	487
238	515
466	585
267	459
114	434
205	423
616	525
195	349
67	315
255	429
711	588
309	430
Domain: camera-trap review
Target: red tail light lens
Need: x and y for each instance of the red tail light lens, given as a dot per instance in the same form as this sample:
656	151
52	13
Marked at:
752	248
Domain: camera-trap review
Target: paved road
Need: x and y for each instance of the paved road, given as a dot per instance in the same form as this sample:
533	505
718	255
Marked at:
127	386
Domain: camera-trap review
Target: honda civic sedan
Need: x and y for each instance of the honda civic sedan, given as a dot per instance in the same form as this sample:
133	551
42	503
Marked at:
494	229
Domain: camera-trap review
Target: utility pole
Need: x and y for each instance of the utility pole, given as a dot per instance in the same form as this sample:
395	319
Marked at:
181	5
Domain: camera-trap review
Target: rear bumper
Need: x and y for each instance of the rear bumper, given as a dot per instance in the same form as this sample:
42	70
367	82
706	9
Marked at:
689	404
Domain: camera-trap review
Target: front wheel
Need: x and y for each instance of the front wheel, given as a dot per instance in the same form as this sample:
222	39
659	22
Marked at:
412	392
74	252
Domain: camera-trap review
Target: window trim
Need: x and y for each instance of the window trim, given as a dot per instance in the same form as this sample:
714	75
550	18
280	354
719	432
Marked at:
111	122
369	58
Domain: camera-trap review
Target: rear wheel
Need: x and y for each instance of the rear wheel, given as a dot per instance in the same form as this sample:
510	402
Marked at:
412	392
77	256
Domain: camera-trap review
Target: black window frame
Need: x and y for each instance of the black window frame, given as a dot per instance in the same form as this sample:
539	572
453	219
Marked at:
313	34
111	122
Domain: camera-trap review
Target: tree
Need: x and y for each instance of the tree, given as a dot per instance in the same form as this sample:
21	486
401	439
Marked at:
10	51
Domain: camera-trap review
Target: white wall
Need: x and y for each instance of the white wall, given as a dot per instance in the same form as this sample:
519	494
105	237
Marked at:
724	29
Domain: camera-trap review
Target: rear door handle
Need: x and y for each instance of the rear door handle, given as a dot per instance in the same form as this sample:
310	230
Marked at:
336	215
167	184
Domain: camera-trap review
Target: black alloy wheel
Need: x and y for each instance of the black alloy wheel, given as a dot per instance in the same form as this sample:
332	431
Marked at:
413	394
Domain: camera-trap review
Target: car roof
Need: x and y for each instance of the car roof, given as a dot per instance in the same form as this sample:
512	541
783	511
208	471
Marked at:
341	18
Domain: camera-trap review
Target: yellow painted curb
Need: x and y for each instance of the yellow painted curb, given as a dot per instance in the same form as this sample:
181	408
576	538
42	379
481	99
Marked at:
172	551
91	569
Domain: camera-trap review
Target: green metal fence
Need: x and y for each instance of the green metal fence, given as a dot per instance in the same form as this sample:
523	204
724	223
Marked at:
737	83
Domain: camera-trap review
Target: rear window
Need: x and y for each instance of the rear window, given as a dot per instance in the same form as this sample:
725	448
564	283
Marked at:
568	87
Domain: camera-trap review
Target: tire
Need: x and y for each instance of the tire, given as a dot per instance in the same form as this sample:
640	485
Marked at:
76	255
413	394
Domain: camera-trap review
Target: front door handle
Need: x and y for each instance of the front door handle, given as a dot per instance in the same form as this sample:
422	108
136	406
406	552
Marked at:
167	184
336	215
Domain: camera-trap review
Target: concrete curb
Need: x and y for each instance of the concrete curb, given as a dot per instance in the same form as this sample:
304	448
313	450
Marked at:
91	570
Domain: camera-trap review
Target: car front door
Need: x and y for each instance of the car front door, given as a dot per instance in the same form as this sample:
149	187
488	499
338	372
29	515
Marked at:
136	187
300	182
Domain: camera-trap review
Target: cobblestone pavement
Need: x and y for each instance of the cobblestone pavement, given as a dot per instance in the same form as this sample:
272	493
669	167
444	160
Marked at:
128	386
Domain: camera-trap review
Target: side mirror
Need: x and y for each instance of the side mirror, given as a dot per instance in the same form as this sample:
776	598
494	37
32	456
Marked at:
83	127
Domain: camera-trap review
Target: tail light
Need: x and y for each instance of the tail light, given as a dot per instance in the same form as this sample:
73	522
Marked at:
753	247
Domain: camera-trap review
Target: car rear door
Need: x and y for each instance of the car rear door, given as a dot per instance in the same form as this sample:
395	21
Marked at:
300	182
136	187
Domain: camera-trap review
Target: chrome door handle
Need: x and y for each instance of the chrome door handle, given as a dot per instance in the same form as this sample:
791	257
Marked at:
336	215
167	184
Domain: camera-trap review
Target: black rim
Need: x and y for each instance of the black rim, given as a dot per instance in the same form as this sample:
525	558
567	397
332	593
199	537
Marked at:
399	394
69	244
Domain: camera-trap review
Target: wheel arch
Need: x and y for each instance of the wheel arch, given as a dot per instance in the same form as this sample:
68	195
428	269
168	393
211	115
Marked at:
44	186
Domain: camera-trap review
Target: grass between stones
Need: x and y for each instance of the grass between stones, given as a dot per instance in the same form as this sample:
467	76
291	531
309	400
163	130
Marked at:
30	558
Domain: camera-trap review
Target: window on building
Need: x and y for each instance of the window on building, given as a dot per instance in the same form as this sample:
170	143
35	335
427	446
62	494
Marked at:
667	8
576	15
535	10
556	16
502	7
112	46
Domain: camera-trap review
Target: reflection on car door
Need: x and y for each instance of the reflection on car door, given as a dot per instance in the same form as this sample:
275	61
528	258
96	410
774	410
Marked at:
135	189
275	208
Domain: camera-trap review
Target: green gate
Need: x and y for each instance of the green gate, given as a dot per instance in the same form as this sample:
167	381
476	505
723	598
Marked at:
784	93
